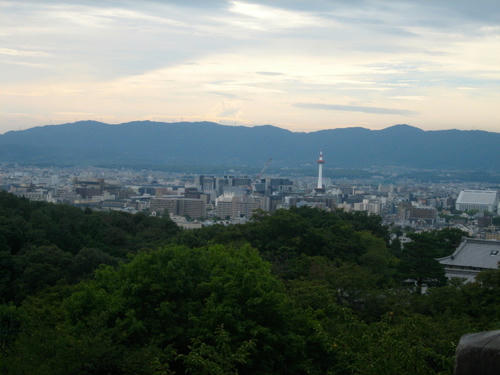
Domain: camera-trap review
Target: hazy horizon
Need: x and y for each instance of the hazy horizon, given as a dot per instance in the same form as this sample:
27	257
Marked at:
303	66
245	125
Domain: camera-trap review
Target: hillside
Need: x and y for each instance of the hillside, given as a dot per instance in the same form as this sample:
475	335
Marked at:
299	291
209	144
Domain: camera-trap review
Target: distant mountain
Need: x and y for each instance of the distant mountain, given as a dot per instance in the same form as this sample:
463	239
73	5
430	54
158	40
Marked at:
210	144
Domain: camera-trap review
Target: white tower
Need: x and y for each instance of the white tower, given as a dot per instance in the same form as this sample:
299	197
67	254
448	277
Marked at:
320	187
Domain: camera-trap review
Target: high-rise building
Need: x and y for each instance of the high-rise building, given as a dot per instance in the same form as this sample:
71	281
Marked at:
194	208
224	206
236	206
162	204
206	184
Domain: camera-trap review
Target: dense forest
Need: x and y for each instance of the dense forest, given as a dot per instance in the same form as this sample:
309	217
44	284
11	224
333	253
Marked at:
300	291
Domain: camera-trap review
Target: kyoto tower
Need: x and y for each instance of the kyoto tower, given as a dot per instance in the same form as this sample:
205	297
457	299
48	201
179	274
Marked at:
320	188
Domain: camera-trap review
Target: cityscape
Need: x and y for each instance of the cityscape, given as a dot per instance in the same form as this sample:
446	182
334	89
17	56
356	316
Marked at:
193	201
249	187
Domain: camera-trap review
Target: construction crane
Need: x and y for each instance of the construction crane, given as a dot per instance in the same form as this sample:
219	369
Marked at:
264	168
257	180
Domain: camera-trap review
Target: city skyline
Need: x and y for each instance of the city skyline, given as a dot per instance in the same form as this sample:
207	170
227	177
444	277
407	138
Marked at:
303	66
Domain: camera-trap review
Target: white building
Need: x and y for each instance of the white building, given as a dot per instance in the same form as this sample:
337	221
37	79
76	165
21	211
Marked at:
240	206
372	206
481	200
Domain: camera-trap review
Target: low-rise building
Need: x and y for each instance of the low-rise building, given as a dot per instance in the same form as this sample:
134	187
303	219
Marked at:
480	200
470	258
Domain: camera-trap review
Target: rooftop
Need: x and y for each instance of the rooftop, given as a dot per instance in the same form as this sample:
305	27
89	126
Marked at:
488	197
474	253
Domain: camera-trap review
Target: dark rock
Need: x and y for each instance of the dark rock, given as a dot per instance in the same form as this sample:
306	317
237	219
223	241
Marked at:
478	354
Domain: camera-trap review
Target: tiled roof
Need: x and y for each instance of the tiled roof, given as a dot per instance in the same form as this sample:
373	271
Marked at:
475	253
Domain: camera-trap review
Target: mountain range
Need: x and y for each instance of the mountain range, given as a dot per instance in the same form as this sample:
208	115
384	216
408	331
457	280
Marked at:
146	143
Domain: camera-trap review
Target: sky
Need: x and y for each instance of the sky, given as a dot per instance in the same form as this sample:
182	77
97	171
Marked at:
302	65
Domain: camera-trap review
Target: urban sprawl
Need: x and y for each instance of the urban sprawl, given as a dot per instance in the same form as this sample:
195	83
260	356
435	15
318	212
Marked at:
195	201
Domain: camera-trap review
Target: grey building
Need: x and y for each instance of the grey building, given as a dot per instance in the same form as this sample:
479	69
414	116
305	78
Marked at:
240	206
470	258
194	208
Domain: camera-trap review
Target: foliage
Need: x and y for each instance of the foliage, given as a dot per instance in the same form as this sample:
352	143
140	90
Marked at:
42	244
210	310
419	264
299	291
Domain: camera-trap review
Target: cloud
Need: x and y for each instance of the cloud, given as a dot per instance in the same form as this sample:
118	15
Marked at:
24	63
264	17
408	97
270	73
106	17
200	59
438	13
355	108
26	53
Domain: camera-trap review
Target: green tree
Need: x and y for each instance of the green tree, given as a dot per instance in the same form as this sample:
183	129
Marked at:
44	266
10	325
179	309
419	264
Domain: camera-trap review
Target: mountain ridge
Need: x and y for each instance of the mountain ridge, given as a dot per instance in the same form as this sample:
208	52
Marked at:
208	143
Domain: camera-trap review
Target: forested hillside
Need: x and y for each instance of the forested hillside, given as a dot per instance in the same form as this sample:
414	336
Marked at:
196	145
294	292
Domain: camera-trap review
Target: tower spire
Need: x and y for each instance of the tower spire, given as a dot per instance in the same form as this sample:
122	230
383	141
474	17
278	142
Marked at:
320	188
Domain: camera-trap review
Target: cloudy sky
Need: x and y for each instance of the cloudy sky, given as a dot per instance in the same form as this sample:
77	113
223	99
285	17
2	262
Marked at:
299	64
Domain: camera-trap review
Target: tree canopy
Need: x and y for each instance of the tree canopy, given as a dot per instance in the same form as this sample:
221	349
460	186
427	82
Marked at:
299	291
